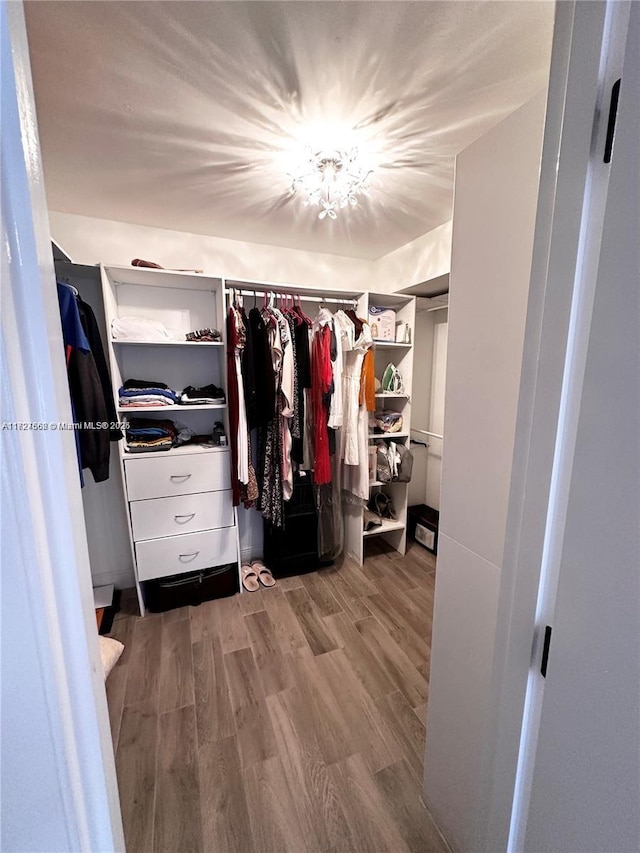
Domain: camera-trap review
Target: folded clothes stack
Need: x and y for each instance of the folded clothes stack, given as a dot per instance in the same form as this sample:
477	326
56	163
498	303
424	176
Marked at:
204	335
144	435
142	393
142	329
207	395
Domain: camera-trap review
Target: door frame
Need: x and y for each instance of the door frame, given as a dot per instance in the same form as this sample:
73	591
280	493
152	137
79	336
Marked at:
588	50
46	551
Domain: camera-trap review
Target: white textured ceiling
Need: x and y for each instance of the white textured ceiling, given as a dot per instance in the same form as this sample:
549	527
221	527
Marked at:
184	115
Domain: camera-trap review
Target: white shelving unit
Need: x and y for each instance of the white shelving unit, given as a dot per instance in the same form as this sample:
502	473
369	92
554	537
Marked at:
180	512
401	355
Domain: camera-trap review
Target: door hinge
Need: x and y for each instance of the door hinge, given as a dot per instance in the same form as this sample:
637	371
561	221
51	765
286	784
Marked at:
545	651
611	124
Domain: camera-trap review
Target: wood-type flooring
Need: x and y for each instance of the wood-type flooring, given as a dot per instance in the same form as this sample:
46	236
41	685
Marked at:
289	719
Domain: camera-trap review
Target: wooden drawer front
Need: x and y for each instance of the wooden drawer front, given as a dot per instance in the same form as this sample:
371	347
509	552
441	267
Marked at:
172	555
182	475
182	514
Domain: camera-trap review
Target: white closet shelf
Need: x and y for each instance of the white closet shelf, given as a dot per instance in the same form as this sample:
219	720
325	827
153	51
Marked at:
390	345
376	483
185	450
386	527
390	395
387	435
199	408
124	342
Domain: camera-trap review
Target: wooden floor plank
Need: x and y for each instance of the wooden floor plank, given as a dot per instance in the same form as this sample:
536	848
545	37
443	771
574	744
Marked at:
370	821
318	804
143	680
205	620
272	809
223	803
116	688
214	714
176	614
178	823
368	730
395	662
321	595
253	724
363	661
317	635
231	627
407	728
289	634
328	718
136	765
416	648
176	666
401	794
274	668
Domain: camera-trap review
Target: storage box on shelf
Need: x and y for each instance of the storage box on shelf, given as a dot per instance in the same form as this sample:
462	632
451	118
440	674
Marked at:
182	522
399	353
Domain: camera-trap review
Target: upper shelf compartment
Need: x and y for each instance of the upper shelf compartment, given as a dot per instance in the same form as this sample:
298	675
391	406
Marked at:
182	302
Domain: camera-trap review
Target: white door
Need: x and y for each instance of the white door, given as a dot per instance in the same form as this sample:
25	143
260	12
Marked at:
585	789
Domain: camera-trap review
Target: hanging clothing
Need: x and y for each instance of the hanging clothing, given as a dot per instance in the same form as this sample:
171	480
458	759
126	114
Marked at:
356	421
353	369
233	404
321	385
337	367
270	435
303	371
264	377
249	373
92	332
287	404
87	396
368	382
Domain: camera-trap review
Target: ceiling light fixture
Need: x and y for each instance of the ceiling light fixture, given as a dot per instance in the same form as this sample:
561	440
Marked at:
331	179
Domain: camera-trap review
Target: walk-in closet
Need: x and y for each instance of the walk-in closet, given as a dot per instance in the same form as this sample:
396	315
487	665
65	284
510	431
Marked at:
303	235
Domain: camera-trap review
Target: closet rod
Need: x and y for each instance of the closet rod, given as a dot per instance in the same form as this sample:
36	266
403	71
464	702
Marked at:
437	308
426	432
302	297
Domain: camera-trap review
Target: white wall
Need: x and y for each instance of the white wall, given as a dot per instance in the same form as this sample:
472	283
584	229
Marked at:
90	241
426	257
494	213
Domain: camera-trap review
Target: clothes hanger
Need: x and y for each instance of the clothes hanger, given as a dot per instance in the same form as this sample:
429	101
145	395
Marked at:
303	316
66	283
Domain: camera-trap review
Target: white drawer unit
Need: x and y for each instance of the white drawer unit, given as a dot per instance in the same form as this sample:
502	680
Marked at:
181	517
173	555
159	517
179	475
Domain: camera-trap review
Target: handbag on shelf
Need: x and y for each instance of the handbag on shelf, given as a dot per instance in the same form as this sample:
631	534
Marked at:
383	468
405	465
387	421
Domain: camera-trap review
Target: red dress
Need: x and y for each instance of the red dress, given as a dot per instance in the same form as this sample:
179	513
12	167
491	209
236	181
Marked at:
321	379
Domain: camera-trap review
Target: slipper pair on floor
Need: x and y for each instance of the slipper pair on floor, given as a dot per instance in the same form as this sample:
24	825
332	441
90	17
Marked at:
257	571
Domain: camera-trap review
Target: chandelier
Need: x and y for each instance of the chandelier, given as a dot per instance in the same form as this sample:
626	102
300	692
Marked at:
330	180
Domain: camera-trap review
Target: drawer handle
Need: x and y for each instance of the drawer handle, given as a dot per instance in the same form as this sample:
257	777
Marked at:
186	518
191	556
179	476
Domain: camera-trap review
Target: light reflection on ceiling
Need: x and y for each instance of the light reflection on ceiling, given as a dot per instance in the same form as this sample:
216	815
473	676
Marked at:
187	115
